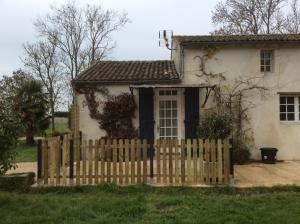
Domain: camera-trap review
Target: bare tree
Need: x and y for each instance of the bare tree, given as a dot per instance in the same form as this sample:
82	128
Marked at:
42	61
248	16
83	34
291	23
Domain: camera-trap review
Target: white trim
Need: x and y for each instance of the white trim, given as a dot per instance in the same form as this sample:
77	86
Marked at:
296	109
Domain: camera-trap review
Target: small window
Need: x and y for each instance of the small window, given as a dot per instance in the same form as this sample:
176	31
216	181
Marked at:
266	61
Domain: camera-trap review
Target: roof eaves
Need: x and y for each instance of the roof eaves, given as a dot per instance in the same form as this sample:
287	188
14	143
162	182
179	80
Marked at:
122	82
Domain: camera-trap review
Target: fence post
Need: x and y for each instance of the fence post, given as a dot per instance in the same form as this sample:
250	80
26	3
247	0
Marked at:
231	162
39	164
152	147
71	162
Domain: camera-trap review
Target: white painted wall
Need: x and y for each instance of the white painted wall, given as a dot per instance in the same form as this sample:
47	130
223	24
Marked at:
264	117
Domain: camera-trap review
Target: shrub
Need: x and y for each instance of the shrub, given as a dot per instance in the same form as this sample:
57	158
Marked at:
8	138
215	126
241	154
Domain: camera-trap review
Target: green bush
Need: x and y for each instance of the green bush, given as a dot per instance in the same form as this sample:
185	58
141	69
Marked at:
215	126
8	138
241	154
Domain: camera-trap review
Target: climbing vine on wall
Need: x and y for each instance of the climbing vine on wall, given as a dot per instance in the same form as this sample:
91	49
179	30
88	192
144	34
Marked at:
117	112
231	97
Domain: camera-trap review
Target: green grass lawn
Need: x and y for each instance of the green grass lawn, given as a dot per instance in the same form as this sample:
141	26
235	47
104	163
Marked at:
25	153
143	204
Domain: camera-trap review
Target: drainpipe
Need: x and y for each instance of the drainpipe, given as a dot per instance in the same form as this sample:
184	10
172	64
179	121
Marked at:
181	68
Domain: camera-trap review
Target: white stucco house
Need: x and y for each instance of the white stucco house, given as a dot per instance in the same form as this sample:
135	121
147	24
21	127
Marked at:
169	93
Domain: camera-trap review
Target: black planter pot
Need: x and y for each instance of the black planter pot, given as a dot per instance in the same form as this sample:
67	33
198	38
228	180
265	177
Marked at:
268	155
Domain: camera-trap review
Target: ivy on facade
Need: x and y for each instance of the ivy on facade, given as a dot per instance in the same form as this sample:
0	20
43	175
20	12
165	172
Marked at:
116	116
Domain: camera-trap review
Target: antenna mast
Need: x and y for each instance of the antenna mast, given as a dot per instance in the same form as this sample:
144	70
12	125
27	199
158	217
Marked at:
165	39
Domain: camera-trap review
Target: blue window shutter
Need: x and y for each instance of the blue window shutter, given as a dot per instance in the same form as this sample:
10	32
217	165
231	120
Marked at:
191	112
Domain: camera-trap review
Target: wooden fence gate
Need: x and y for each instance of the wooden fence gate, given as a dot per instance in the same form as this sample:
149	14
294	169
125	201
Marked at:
67	161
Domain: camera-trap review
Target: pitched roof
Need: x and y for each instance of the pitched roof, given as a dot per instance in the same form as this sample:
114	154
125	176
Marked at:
240	39
131	72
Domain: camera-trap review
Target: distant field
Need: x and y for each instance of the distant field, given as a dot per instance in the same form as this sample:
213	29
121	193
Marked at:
144	204
59	127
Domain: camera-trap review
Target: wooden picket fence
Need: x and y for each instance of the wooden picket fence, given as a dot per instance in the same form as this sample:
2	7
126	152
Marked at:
69	160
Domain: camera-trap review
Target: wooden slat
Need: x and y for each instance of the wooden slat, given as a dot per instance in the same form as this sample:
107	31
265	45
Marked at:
145	148
182	157
195	165
84	149
138	156
127	161
132	159
220	162
158	160
45	161
189	159
115	156
108	151
90	158
226	161
121	157
176	151
102	165
213	161
57	149
96	161
51	160
65	148
77	154
201	162
170	146
164	160
206	165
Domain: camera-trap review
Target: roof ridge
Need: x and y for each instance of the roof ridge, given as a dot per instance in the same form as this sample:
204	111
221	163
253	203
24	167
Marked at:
232	35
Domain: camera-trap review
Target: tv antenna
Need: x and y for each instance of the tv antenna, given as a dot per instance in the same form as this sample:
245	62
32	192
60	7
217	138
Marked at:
165	39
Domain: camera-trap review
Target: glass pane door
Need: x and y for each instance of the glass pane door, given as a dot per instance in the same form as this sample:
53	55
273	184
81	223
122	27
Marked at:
168	118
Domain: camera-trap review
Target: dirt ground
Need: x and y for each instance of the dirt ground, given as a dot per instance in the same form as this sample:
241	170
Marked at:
259	174
250	175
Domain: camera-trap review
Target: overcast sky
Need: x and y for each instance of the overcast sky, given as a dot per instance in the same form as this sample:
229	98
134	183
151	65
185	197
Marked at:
137	41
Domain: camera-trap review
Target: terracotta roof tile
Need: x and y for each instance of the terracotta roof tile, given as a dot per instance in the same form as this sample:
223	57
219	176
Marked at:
129	72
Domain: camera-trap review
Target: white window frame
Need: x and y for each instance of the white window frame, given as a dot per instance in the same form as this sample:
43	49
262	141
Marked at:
296	109
176	97
264	65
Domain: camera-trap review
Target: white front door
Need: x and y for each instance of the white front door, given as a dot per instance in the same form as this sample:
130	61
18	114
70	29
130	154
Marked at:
168	113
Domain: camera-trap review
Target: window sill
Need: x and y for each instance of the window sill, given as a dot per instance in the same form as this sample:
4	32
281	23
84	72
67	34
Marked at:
290	122
266	73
